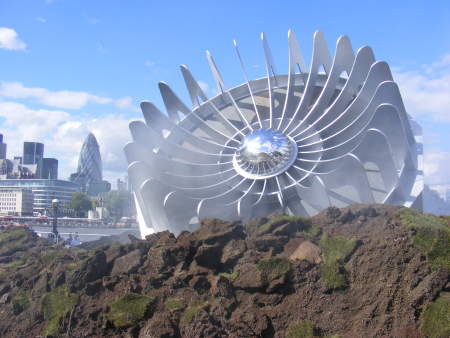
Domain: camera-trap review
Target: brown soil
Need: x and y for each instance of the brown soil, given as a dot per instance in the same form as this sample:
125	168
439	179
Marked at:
227	280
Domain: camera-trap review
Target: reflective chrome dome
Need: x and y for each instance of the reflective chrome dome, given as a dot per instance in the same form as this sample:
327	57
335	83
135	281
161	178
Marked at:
264	153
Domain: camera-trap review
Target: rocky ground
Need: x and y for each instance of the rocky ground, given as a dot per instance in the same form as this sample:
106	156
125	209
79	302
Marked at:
363	271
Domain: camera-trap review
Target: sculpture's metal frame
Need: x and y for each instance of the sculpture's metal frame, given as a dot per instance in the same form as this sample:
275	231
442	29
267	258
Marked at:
354	142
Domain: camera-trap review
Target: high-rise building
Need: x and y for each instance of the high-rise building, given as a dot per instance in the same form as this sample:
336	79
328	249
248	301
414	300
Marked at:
50	168
89	171
33	152
2	148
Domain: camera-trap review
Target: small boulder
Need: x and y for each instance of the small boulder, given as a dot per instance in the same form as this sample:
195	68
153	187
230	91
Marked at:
127	264
232	251
307	251
208	256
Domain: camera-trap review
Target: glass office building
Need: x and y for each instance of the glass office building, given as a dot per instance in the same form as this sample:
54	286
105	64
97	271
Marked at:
89	171
50	168
2	148
44	191
33	152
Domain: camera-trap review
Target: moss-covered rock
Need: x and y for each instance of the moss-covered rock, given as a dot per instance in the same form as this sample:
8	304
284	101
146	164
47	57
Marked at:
192	311
300	223
13	235
431	235
273	268
436	318
55	305
303	329
21	302
173	304
231	276
130	309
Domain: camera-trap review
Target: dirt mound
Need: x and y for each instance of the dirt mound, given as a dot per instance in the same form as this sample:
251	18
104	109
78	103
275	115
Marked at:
353	272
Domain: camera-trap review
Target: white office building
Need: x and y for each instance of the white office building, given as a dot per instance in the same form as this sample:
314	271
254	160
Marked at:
16	201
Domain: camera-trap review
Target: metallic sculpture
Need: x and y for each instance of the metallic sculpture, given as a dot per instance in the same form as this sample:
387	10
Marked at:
296	143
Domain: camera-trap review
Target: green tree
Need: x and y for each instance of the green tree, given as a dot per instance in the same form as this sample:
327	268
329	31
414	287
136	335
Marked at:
80	203
117	202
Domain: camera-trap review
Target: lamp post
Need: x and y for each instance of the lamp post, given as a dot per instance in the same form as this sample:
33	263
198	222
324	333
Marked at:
55	203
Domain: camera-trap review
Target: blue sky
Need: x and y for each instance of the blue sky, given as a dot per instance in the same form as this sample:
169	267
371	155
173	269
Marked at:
70	66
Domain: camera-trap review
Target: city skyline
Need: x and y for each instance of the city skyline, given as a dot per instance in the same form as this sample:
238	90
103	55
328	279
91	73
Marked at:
68	69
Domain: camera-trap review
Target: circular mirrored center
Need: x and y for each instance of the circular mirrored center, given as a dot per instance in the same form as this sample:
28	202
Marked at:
264	153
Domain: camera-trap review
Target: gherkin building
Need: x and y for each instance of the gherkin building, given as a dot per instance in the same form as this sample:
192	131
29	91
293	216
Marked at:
89	170
332	133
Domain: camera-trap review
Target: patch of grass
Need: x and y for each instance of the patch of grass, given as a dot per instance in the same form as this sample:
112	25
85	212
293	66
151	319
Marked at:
13	235
273	268
4	276
20	302
173	304
332	275
336	250
192	311
302	223
303	329
311	233
231	276
416	219
435	319
14	264
431	236
13	240
130	309
49	256
55	305
73	266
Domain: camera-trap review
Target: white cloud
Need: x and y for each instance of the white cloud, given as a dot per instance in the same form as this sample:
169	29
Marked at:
63	99
41	20
436	164
204	86
63	135
426	94
10	40
126	103
426	90
149	63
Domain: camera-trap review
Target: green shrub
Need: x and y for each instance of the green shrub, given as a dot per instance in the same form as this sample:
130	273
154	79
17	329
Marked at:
435	319
130	309
173	304
431	236
55	305
20	302
192	311
303	329
273	268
